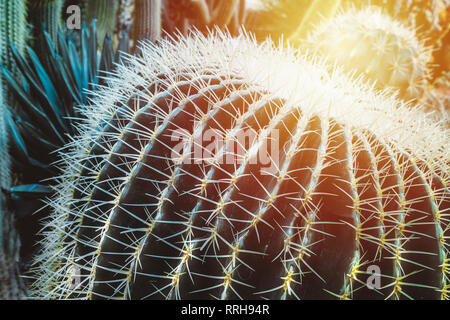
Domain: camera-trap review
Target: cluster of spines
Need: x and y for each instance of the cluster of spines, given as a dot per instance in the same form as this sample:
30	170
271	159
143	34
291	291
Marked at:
136	222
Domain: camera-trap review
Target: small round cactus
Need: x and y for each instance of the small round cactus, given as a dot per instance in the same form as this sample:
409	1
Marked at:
221	168
372	44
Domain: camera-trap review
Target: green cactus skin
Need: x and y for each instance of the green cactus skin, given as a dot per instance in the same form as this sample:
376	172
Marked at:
105	11
370	43
354	178
12	29
48	14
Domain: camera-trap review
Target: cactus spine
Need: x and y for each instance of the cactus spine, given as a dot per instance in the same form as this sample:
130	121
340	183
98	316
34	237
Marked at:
163	197
370	43
12	29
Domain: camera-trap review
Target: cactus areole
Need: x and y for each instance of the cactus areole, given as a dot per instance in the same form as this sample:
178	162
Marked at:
213	167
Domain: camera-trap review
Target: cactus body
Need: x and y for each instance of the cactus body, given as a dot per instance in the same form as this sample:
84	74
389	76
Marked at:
165	196
371	43
105	12
12	29
147	21
430	17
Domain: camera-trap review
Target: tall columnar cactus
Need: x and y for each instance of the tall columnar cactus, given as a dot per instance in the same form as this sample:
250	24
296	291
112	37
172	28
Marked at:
215	167
147	20
12	29
45	14
370	43
105	11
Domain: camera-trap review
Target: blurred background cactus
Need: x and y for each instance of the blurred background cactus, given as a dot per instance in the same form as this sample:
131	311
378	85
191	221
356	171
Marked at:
437	98
290	19
374	45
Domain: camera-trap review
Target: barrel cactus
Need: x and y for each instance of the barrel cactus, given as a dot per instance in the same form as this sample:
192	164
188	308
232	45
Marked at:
221	168
371	43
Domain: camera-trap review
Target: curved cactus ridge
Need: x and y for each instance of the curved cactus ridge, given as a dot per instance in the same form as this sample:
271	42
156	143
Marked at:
369	42
12	30
216	167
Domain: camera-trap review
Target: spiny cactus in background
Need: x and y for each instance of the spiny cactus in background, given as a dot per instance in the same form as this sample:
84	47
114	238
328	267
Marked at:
430	17
437	99
214	167
147	20
12	30
371	44
290	19
105	11
49	89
